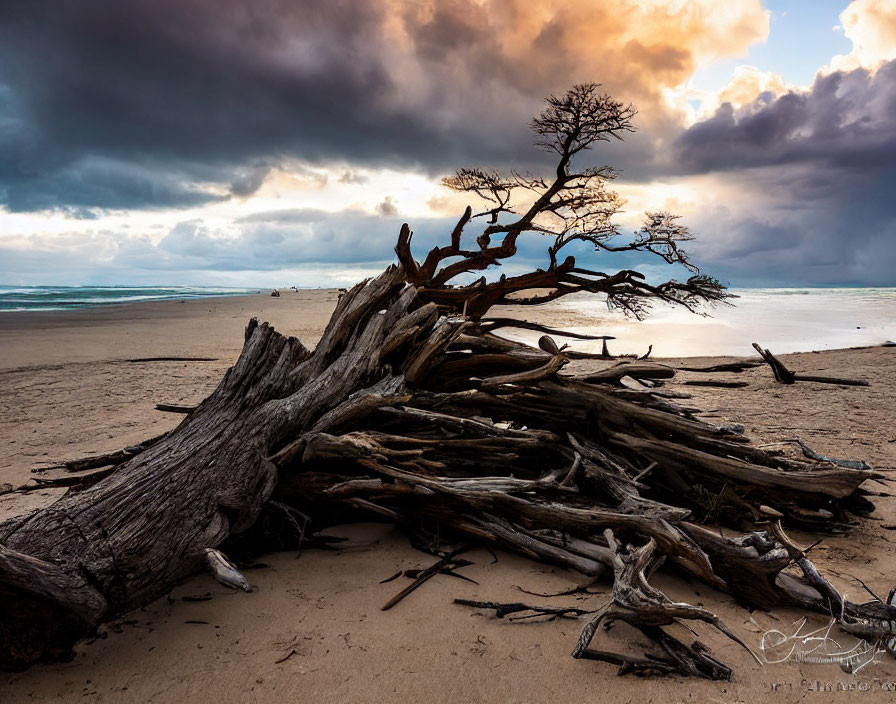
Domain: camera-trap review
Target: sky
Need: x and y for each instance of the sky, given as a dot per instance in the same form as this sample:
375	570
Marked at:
277	143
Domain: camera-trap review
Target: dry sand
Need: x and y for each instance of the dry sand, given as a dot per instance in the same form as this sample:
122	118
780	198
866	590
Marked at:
67	389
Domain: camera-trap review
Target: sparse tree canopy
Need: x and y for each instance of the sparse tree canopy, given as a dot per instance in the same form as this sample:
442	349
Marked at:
573	205
411	409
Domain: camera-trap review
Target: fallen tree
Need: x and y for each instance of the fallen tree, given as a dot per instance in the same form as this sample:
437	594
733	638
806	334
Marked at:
411	409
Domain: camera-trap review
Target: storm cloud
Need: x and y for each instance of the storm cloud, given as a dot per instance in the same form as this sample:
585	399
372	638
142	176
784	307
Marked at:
204	96
111	109
846	121
816	173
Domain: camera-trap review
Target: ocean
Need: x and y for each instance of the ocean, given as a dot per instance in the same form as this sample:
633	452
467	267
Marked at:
781	319
31	298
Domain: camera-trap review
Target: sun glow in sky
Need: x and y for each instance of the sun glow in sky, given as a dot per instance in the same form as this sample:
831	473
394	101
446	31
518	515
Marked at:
255	144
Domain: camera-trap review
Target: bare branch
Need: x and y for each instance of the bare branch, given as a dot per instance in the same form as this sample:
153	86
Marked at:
579	118
574	206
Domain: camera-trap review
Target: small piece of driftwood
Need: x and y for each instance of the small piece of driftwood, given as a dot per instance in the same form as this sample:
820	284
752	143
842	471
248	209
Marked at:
174	408
785	376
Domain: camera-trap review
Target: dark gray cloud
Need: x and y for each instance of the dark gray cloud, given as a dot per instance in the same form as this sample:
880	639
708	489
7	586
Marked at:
248	181
801	225
193	90
88	183
815	172
387	207
190	92
140	104
825	249
846	121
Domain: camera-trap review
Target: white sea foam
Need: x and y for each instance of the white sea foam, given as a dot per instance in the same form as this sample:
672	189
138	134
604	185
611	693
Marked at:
38	298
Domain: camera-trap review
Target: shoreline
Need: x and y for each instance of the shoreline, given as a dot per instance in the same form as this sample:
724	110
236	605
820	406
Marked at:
294	321
47	299
192	327
95	313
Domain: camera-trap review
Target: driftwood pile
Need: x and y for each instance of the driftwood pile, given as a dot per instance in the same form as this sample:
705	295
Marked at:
412	409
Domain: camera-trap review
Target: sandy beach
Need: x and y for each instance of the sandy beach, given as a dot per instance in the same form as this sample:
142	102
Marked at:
312	629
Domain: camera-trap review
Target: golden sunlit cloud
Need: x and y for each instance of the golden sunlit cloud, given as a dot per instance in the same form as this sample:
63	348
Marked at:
746	85
643	51
871	26
638	48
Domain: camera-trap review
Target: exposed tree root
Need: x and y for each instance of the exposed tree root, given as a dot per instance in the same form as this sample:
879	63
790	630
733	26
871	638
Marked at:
104	460
635	602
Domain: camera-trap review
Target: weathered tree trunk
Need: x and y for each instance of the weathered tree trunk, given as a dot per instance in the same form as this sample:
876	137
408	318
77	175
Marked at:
105	549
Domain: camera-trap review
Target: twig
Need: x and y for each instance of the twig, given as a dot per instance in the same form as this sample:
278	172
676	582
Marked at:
717	384
174	408
173	359
733	367
582	589
502	610
425	575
